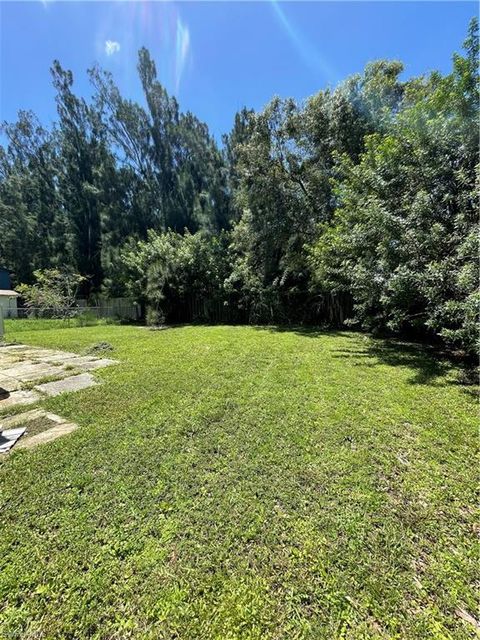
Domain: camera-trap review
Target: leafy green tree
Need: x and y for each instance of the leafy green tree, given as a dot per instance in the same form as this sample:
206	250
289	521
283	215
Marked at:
32	225
81	179
177	174
54	294
170	270
402	239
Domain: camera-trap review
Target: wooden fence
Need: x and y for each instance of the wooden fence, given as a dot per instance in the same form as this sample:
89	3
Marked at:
329	309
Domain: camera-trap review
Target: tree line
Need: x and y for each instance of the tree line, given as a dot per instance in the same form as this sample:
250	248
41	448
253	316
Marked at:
359	206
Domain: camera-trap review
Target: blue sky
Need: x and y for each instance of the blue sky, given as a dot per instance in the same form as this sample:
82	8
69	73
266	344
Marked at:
218	56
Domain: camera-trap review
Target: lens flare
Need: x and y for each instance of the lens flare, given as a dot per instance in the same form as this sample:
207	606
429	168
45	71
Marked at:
306	49
182	48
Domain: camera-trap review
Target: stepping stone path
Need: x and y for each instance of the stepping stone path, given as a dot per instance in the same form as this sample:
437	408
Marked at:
23	371
17	397
74	383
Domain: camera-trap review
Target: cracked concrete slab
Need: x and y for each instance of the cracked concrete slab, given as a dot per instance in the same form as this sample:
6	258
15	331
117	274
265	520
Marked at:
73	383
18	369
23	365
11	361
38	352
60	357
15	347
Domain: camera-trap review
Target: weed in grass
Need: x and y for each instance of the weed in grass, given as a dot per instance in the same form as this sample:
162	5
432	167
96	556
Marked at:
99	348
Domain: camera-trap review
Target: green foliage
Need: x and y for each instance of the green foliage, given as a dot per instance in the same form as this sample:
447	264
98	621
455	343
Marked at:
169	269
54	293
154	317
404	237
109	171
33	233
14	326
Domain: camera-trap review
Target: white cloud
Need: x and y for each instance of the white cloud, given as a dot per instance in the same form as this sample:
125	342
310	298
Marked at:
111	47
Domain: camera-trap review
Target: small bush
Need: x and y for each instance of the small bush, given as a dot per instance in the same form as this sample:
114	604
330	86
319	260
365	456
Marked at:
86	319
155	317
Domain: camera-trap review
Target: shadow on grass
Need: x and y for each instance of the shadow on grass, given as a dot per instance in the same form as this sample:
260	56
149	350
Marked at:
428	364
307	332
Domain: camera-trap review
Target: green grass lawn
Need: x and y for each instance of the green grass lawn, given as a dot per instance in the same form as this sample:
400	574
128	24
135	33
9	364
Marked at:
245	483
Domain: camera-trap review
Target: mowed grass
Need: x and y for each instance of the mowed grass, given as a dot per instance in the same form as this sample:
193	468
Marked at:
245	483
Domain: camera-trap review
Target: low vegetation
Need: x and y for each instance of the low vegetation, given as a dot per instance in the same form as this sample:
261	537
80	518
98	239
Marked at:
245	483
15	326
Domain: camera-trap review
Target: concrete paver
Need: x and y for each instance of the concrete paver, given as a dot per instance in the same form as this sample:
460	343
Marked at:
21	366
18	397
8	384
47	436
32	372
73	383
